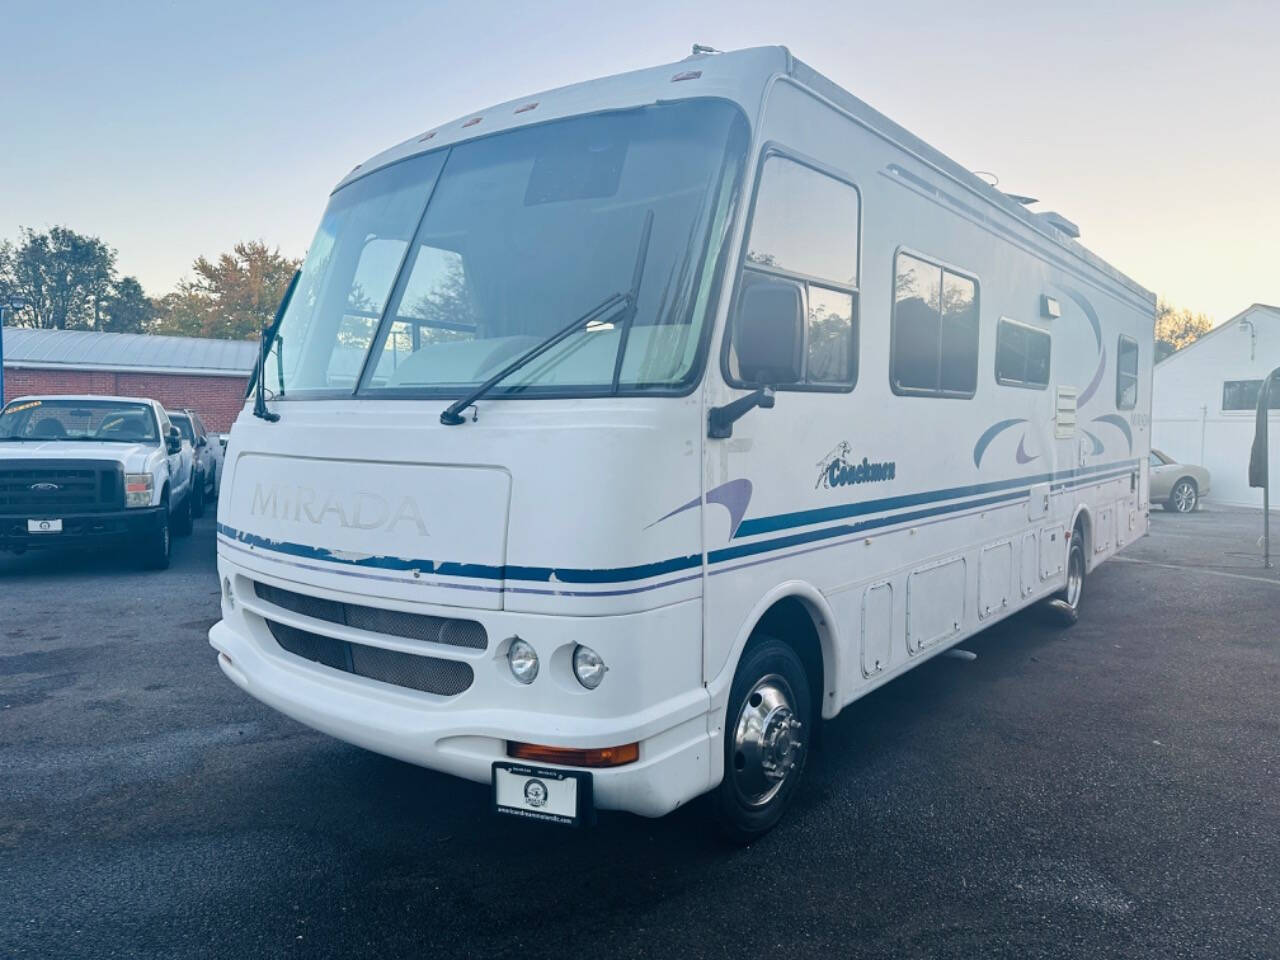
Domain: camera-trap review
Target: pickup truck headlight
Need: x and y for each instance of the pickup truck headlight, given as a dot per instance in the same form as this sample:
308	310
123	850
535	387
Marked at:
138	488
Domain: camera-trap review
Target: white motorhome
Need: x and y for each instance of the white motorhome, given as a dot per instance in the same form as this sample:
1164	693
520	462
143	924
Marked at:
614	436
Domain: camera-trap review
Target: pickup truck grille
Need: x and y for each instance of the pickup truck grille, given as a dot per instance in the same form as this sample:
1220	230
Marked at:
42	488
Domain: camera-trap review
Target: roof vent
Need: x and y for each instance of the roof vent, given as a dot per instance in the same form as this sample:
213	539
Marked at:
1058	221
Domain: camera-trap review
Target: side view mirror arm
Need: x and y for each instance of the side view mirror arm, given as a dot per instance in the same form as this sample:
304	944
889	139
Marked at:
721	419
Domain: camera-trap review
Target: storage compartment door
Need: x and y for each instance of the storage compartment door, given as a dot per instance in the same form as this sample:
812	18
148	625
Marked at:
935	603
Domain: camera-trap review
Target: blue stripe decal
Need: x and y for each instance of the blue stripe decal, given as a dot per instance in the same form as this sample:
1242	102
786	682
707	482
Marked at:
1005	492
449	568
782	521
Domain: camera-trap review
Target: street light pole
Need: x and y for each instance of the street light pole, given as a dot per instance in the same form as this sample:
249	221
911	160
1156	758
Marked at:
2	309
11	305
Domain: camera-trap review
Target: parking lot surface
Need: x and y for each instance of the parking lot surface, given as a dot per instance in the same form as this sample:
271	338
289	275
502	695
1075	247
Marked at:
1112	790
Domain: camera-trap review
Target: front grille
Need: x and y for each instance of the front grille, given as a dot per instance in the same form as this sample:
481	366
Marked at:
412	626
36	488
446	678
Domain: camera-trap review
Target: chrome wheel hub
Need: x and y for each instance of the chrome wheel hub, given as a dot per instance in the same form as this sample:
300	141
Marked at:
1075	579
1184	498
766	740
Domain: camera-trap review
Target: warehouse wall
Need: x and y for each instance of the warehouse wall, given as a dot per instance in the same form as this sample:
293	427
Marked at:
1188	421
217	399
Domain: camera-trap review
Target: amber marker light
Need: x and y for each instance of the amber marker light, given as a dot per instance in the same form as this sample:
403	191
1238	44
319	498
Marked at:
575	756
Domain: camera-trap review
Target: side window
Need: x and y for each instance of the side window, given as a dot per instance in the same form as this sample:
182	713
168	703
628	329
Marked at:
1243	395
1155	461
1127	373
1022	355
164	425
935	330
804	229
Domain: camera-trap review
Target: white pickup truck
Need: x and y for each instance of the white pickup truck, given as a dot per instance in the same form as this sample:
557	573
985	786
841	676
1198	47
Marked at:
87	471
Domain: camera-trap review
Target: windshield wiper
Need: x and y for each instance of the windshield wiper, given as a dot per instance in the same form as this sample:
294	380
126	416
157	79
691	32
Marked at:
260	395
601	313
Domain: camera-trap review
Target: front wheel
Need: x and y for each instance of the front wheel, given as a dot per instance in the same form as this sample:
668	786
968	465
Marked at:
1184	496
766	738
158	546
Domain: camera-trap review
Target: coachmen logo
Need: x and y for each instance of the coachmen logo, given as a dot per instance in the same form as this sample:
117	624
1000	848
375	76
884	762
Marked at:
359	510
839	469
45	487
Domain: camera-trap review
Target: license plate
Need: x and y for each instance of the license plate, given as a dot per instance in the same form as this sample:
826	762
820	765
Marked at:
44	526
539	793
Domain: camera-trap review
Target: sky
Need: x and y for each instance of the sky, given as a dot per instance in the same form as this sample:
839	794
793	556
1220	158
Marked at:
177	129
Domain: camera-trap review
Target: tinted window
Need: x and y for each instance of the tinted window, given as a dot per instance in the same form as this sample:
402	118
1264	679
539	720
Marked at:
1243	395
805	222
935	330
1022	355
805	228
183	423
1127	374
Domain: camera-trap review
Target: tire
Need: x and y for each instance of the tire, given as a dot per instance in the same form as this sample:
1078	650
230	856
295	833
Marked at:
766	740
1065	604
1184	497
157	546
197	499
182	517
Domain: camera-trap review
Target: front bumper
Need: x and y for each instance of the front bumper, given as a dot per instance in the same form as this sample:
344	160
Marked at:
82	529
465	734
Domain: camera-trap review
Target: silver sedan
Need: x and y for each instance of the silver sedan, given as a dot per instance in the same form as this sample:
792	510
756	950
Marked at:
1178	486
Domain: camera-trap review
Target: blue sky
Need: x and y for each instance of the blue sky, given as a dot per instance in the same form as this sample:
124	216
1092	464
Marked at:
174	129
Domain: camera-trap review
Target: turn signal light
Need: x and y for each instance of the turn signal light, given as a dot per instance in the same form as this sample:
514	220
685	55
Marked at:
575	756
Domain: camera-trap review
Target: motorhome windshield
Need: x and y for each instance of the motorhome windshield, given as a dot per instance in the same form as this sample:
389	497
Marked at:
428	276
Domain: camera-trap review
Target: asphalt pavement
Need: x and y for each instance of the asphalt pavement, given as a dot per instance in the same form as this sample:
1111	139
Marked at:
1105	791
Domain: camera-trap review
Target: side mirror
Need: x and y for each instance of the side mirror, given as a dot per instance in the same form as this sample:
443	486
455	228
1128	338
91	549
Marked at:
173	442
201	442
768	332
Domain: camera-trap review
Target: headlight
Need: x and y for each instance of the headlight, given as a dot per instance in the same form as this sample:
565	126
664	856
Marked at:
138	488
588	666
523	660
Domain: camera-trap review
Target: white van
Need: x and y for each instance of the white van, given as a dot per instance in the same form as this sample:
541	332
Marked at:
614	436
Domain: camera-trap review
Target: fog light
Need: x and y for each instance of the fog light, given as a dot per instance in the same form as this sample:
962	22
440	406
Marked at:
588	666
523	660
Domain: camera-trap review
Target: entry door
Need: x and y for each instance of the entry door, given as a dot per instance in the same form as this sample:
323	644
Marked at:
781	464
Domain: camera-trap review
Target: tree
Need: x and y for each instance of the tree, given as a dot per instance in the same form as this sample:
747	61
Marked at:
1176	329
63	278
232	297
127	308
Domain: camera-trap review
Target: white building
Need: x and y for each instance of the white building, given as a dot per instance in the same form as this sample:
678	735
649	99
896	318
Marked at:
1204	399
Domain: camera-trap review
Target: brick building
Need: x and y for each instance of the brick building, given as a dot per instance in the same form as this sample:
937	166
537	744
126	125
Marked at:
209	376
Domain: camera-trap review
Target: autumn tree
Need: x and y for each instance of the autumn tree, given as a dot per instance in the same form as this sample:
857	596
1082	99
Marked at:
1176	329
232	297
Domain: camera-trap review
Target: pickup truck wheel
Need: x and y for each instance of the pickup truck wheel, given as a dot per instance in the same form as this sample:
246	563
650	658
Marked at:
182	518
197	498
158	545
